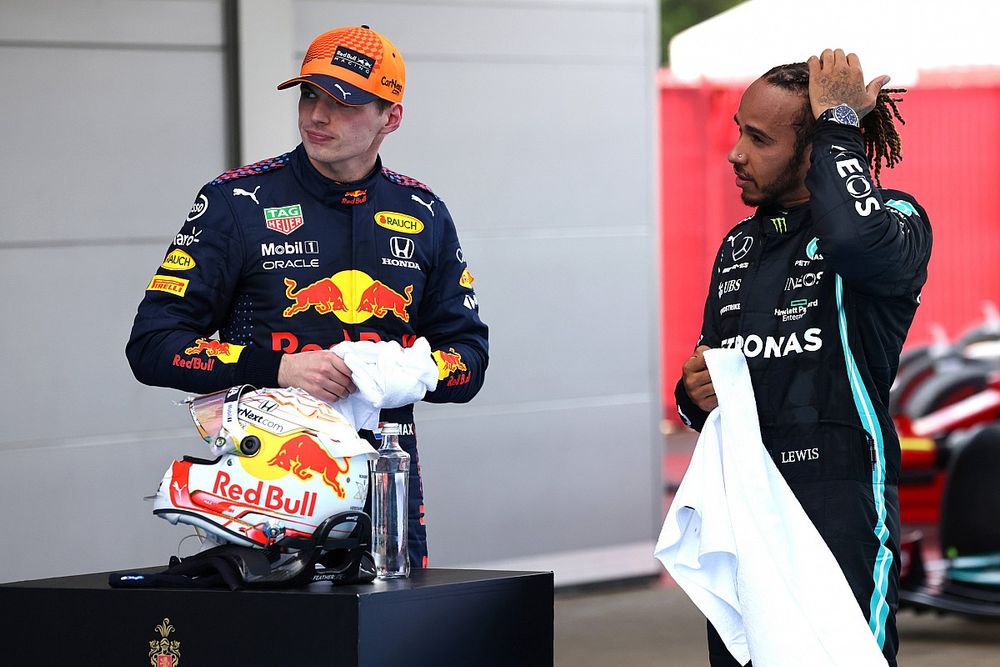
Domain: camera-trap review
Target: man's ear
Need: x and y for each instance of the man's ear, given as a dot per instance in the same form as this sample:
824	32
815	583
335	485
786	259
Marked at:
393	119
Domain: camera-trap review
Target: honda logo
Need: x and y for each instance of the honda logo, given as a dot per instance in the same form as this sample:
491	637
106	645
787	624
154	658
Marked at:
402	248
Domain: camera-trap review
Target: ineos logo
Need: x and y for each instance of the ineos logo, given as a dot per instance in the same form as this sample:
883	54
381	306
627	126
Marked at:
855	182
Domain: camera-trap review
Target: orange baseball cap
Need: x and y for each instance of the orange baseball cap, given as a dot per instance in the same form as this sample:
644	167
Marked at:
354	66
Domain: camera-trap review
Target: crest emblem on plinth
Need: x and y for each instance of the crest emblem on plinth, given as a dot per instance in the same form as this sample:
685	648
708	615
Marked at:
164	652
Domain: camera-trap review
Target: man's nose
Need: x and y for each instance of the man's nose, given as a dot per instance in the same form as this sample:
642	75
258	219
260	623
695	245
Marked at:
736	154
321	112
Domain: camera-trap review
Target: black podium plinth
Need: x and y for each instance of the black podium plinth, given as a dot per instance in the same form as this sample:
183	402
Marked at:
436	617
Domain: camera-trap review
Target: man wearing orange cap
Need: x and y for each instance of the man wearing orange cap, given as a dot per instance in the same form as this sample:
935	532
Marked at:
289	256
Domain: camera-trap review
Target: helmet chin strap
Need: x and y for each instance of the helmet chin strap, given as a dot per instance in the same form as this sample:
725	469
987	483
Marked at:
232	432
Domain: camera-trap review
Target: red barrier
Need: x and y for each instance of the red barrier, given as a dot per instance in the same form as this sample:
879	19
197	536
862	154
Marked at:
951	164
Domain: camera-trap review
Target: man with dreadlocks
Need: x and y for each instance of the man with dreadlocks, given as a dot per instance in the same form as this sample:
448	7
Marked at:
818	289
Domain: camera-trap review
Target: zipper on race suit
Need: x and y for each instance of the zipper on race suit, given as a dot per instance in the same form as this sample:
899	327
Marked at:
872	453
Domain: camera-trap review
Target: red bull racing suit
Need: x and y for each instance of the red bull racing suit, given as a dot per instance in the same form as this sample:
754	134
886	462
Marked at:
278	259
820	298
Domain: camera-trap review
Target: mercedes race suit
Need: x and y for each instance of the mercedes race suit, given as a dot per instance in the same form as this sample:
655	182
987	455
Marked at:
819	298
278	259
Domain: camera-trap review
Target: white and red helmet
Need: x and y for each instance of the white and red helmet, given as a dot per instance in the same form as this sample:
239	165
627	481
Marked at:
286	462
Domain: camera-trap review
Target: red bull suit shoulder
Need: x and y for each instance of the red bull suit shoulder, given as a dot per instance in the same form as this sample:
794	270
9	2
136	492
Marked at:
278	259
820	298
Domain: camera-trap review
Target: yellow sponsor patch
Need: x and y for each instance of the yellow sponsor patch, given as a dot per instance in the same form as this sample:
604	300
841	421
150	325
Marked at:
466	279
227	353
399	222
168	284
178	260
448	362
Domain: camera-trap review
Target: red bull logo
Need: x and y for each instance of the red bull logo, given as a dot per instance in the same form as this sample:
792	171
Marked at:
213	348
354	197
466	279
323	295
303	456
352	296
380	299
227	353
286	341
448	362
268	496
196	364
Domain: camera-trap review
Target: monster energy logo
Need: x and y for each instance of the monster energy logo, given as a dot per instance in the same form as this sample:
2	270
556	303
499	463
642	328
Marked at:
779	224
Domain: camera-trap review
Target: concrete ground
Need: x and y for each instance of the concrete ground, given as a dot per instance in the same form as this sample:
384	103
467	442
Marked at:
655	624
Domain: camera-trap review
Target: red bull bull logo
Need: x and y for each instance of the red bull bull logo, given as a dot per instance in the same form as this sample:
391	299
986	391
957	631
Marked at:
448	362
352	296
380	299
213	348
323	295
227	353
303	456
466	279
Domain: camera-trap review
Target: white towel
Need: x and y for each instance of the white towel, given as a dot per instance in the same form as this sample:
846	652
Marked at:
387	376
741	546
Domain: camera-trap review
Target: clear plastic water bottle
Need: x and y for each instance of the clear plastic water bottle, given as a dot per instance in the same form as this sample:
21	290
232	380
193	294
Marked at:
389	506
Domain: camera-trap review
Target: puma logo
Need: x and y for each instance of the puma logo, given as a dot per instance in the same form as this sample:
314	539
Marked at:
421	201
342	91
240	192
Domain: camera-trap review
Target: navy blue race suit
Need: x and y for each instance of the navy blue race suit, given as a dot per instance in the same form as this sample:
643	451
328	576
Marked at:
820	298
278	259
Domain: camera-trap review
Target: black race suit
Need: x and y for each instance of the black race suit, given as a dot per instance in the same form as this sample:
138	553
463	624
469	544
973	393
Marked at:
278	259
819	298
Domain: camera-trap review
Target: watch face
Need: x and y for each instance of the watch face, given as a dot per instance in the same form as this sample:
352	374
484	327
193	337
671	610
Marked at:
845	115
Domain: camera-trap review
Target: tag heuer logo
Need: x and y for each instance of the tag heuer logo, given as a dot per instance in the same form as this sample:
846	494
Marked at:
284	219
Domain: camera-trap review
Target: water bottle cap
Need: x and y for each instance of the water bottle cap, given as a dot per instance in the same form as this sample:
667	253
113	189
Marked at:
390	428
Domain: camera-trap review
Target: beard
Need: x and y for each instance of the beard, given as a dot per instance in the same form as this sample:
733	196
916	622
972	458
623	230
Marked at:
772	194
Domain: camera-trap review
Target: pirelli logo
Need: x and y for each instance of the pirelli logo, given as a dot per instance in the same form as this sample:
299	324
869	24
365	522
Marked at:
168	284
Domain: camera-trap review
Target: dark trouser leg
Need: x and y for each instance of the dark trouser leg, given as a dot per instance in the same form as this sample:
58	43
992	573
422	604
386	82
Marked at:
416	537
845	513
718	654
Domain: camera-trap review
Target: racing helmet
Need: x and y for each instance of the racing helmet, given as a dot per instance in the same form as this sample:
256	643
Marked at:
285	462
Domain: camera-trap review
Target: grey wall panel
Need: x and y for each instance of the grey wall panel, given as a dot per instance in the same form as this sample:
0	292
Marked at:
561	158
526	32
174	24
78	507
70	356
525	483
564	321
115	146
116	119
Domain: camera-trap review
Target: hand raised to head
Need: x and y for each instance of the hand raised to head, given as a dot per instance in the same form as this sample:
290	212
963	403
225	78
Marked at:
836	78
